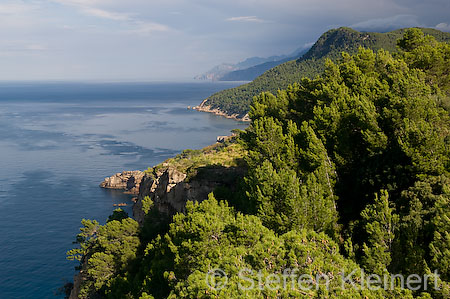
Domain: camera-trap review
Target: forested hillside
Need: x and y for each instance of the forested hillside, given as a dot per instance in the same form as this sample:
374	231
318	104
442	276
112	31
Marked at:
345	172
330	45
253	72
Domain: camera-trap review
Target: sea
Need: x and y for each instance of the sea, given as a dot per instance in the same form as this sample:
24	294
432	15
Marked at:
59	140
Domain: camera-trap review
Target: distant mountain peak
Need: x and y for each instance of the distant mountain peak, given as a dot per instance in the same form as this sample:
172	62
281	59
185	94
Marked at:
249	68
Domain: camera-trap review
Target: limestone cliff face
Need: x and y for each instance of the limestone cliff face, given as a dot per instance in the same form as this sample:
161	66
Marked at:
170	189
129	181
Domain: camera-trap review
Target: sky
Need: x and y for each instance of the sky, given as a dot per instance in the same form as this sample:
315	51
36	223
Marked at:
160	40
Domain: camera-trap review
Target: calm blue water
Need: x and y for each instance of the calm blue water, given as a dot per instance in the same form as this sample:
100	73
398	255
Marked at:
57	143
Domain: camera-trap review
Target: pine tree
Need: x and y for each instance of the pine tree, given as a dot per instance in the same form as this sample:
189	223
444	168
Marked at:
440	246
380	223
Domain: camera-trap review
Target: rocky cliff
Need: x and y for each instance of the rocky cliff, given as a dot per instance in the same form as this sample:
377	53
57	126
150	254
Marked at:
129	181
170	189
191	175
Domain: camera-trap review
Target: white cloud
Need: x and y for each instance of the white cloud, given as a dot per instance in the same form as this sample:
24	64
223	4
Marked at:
145	28
35	47
443	27
308	45
91	8
21	46
254	19
105	14
20	16
15	8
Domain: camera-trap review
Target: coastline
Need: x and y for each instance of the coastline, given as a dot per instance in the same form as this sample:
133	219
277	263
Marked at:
205	108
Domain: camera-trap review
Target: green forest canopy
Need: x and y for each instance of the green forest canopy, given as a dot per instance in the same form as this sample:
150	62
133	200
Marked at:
347	171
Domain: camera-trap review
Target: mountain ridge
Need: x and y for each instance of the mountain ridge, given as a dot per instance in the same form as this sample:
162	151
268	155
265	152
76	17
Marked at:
253	72
236	101
248	69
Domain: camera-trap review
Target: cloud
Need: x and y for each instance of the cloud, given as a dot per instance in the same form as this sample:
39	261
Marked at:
388	24
145	28
15	8
91	8
21	46
443	27
254	19
308	45
105	14
35	47
84	39
19	15
88	8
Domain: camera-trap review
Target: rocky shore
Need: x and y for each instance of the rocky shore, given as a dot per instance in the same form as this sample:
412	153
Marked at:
203	107
128	181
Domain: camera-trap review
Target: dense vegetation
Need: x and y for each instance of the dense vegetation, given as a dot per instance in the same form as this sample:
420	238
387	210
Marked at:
330	45
346	171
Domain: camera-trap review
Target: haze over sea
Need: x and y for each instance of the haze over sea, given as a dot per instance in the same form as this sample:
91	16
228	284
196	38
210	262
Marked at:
58	141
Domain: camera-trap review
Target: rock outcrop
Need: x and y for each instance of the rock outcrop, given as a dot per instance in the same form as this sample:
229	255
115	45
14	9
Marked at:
129	181
204	107
170	189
